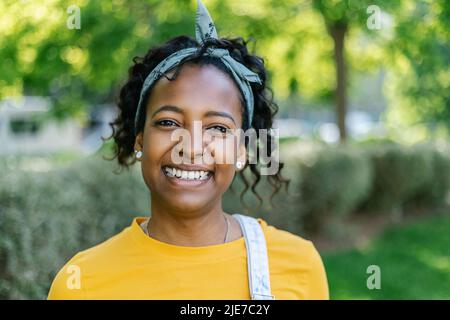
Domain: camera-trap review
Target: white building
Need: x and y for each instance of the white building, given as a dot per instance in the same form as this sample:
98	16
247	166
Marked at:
23	131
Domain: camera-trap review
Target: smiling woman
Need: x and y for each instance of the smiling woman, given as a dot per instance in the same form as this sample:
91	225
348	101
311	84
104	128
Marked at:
189	248
200	93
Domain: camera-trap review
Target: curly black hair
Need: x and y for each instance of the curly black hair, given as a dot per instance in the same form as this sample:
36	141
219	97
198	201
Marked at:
124	132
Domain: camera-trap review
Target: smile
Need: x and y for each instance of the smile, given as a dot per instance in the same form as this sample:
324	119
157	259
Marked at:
187	177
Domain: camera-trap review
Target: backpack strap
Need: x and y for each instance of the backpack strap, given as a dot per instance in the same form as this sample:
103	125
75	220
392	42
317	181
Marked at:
257	259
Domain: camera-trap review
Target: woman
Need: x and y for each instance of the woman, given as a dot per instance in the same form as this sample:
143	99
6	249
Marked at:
190	248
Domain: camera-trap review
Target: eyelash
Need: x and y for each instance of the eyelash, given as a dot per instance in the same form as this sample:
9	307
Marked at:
226	130
160	122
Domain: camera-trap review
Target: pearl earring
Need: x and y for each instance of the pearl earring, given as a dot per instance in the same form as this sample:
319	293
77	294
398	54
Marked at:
239	165
138	154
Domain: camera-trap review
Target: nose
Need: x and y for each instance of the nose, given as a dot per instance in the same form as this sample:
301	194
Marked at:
192	150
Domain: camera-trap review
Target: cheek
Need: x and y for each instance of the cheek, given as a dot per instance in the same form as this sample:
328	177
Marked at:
156	145
223	151
223	176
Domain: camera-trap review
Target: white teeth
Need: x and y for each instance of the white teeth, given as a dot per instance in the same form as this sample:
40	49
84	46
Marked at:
187	175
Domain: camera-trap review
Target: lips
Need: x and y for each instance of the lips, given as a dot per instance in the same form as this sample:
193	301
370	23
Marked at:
180	175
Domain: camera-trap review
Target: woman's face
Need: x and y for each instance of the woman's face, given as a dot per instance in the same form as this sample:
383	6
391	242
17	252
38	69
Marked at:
204	95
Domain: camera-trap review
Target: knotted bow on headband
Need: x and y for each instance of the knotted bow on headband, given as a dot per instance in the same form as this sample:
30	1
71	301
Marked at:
204	29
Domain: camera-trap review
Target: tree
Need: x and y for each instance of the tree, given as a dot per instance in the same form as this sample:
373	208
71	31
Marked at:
312	48
340	17
40	55
336	19
420	52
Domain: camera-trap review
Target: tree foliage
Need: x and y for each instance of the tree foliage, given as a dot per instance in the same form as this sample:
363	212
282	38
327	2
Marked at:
39	55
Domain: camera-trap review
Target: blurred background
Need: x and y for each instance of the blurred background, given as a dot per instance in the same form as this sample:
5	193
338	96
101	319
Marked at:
364	94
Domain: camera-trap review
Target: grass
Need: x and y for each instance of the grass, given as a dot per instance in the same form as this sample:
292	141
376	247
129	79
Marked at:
414	261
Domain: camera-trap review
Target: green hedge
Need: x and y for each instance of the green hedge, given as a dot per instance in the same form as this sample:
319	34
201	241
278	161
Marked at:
328	183
46	217
434	192
399	173
334	182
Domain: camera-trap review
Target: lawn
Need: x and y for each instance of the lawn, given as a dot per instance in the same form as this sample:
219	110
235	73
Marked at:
414	261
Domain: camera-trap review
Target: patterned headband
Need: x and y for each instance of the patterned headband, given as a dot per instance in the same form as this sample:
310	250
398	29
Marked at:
204	29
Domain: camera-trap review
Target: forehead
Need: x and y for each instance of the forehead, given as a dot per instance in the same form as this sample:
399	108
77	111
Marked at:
197	89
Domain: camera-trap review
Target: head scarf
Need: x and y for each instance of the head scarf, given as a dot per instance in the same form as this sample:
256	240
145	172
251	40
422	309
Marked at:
204	29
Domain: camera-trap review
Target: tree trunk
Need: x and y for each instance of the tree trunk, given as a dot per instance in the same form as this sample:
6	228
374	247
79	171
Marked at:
338	32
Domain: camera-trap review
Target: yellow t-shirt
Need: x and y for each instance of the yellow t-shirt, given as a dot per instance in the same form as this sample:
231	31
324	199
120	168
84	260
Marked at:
132	265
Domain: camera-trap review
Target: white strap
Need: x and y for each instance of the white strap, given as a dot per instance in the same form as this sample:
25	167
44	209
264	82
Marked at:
257	260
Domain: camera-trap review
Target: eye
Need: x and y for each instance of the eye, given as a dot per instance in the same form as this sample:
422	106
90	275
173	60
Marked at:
222	129
165	123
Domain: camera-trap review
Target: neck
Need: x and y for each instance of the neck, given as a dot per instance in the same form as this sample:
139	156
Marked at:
192	229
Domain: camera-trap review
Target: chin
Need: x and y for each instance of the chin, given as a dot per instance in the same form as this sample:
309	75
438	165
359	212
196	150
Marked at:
189	203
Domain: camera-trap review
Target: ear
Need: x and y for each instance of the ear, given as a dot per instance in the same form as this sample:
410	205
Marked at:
139	143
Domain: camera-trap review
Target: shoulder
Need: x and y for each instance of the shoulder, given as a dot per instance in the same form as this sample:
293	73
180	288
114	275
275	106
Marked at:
67	282
281	240
292	253
71	281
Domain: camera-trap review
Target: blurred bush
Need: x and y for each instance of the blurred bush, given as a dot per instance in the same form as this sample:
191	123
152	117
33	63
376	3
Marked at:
435	190
46	217
399	173
334	183
329	183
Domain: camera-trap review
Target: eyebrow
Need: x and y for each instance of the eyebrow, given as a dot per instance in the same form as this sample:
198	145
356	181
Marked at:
167	108
207	114
219	114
